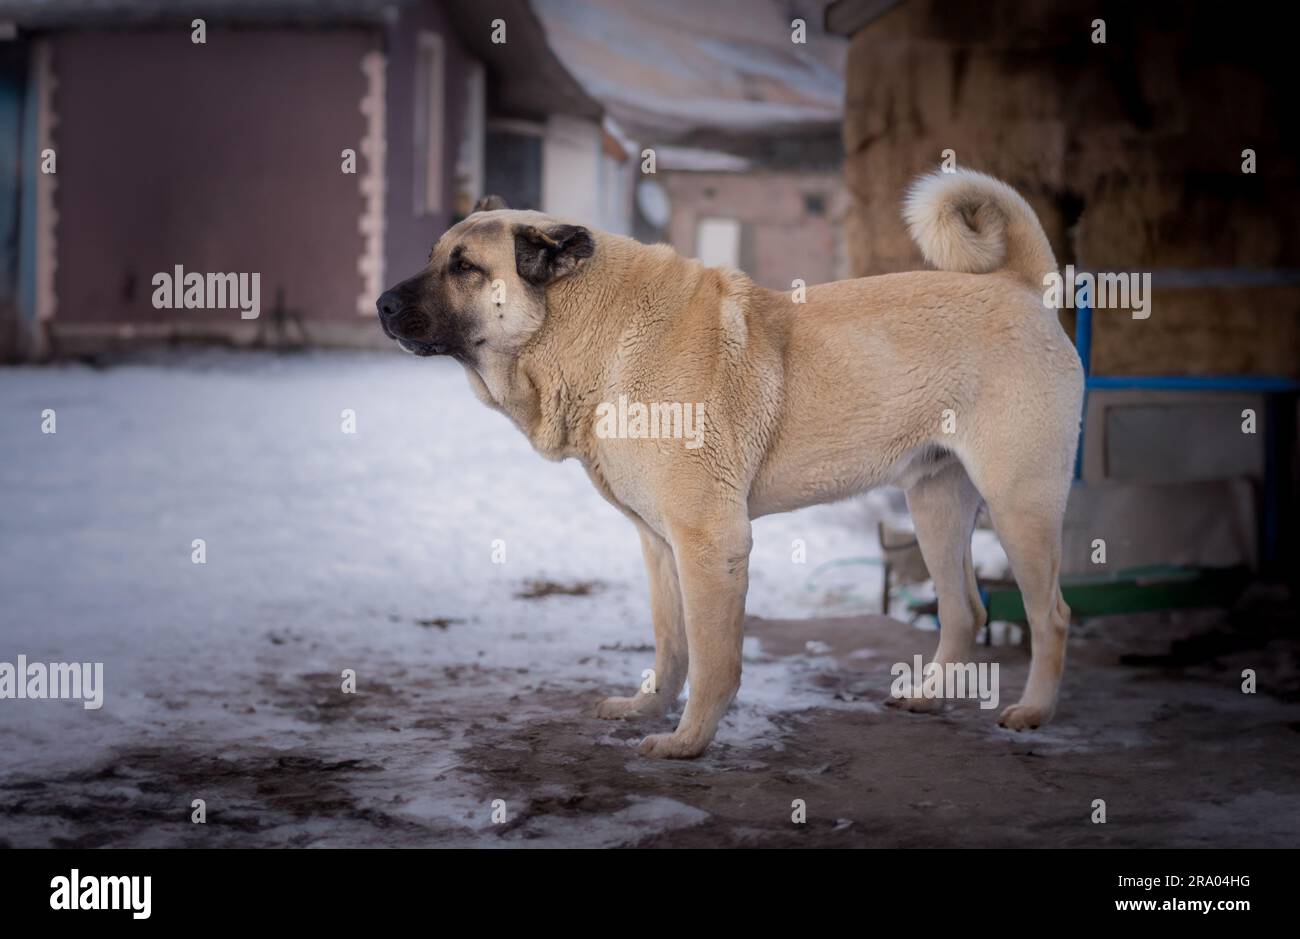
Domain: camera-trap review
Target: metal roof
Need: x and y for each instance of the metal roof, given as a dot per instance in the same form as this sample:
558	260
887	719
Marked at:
714	74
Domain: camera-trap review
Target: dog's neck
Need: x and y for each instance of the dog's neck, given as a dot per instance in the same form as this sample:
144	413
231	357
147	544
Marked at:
551	388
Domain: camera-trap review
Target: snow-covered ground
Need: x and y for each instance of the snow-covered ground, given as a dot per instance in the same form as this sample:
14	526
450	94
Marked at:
328	550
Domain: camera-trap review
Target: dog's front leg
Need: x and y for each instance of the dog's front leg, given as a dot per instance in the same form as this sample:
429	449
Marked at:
713	570
670	637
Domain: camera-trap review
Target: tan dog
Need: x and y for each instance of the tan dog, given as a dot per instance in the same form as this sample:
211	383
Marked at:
956	384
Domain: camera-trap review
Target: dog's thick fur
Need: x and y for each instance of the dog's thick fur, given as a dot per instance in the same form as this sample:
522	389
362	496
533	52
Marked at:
957	385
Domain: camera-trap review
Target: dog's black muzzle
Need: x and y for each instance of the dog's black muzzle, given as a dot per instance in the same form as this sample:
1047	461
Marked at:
404	320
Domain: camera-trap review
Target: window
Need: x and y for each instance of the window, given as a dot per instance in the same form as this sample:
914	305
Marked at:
814	203
513	163
429	98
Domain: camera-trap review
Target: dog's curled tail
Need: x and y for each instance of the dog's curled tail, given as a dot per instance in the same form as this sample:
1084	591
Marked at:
975	224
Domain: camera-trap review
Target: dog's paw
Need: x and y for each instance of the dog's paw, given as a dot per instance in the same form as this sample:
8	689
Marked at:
671	747
916	704
613	709
1024	717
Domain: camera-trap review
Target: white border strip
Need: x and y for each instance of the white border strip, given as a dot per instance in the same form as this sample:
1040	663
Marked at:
374	148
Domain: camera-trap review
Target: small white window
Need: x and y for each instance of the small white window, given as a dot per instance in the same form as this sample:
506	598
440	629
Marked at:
429	99
717	242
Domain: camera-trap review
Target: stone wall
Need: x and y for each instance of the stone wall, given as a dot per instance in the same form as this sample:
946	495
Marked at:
1130	151
792	220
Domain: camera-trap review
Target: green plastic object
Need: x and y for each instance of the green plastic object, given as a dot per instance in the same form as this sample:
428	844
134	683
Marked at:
1137	590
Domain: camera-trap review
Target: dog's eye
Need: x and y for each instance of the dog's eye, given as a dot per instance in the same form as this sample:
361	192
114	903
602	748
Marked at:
463	267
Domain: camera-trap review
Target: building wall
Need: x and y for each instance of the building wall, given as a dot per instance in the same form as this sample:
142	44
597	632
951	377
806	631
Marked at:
560	166
616	176
1130	151
224	157
790	221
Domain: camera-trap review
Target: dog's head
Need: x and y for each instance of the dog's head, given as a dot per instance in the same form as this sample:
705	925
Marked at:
484	288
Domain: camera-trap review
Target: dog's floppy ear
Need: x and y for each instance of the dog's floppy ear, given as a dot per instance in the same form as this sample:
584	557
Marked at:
488	204
544	255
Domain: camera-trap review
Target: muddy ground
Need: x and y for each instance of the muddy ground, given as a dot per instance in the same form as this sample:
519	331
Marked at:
1153	721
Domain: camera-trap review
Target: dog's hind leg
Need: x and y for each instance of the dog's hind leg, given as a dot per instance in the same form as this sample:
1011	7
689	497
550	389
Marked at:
943	507
670	637
713	569
1027	515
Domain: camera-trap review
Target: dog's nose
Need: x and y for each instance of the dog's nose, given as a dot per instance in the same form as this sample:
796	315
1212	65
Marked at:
388	304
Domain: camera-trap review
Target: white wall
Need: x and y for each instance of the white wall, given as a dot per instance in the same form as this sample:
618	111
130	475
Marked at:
580	181
571	154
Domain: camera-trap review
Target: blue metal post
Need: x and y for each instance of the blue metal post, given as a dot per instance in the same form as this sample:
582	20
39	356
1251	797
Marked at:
1083	345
